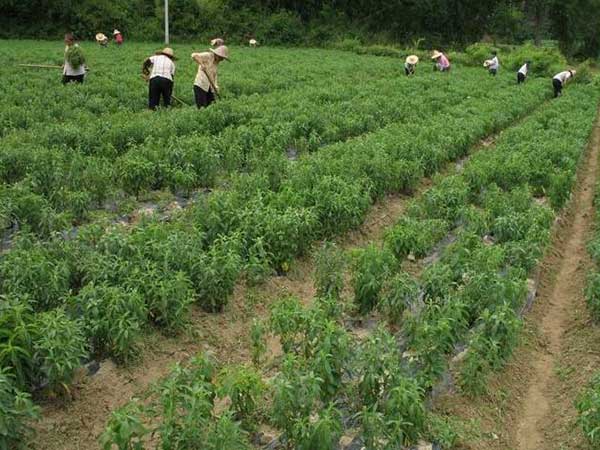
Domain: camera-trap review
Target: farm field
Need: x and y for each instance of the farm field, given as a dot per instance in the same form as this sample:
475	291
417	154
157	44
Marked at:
337	244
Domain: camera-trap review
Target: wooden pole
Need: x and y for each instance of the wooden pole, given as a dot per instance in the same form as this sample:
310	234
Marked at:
41	66
179	100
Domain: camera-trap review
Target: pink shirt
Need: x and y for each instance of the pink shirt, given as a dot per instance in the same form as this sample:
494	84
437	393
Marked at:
443	62
119	39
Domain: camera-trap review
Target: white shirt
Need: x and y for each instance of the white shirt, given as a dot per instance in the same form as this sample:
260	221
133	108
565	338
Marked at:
523	69
162	66
68	68
563	77
494	63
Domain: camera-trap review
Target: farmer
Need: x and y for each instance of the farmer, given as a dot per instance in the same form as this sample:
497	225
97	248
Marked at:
560	79
118	37
206	84
74	66
522	73
102	40
441	61
410	64
161	77
494	64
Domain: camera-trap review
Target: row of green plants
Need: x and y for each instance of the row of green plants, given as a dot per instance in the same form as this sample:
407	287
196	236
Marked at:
588	402
46	187
487	227
115	281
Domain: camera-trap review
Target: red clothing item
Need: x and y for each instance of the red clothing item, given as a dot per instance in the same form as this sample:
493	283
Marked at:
119	39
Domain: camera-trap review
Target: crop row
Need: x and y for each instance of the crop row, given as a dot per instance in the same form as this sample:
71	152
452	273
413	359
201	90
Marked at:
55	180
106	285
330	382
588	402
109	90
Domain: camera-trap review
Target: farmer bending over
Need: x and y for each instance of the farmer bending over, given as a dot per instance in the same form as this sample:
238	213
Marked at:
494	64
206	84
161	77
560	79
522	73
410	64
74	66
441	61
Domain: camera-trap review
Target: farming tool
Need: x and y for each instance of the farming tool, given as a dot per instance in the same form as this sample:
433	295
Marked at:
177	99
214	89
46	66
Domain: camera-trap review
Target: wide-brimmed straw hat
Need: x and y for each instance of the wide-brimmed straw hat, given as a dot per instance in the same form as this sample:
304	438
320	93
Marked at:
221	51
217	42
168	51
436	54
573	72
116	32
487	63
100	37
412	59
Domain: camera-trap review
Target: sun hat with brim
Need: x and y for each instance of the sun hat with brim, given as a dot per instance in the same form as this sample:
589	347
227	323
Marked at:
100	37
487	63
436	54
168	51
412	59
573	72
221	51
116	32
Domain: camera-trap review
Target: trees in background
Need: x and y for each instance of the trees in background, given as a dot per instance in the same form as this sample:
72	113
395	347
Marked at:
440	22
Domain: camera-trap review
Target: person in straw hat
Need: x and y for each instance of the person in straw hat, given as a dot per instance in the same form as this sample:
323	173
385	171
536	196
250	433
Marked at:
160	71
410	64
441	61
560	79
493	64
206	84
102	39
118	37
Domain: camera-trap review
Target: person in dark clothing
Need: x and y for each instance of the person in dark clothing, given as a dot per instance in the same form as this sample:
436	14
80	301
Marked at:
560	79
522	73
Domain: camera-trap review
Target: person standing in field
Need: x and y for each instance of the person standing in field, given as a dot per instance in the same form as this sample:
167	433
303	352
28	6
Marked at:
118	37
206	84
102	40
74	65
494	64
410	64
560	79
522	73
441	61
160	71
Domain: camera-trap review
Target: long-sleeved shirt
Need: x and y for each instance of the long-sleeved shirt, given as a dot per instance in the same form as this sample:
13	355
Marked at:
69	70
207	67
524	69
443	62
494	63
563	77
162	66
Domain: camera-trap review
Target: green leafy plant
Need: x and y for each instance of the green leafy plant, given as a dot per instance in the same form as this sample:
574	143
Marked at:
329	271
588	408
245	387
16	412
370	268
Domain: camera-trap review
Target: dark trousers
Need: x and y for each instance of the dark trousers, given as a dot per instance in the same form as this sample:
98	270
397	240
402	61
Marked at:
158	87
520	78
557	84
410	71
493	72
72	79
203	98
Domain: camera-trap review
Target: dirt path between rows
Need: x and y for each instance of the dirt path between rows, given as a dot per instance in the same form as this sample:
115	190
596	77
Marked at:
559	301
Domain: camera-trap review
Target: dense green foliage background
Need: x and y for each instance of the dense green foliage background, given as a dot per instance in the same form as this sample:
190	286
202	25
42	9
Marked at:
437	22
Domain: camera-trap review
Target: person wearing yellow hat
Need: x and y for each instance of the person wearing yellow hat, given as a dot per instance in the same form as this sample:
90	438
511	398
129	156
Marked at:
410	64
441	61
560	79
160	71
206	84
